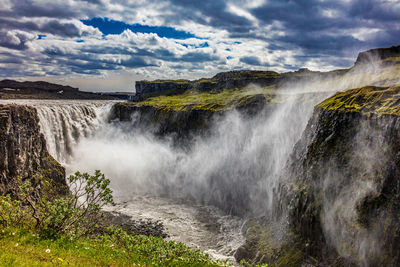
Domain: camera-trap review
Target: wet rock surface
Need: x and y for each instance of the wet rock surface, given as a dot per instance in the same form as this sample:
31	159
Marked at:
140	227
23	152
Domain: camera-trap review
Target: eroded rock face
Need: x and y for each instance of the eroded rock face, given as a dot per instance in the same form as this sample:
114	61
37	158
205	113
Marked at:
221	81
377	54
182	124
345	192
23	150
340	195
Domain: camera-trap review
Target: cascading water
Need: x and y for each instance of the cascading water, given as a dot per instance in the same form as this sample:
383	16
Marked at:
65	123
238	168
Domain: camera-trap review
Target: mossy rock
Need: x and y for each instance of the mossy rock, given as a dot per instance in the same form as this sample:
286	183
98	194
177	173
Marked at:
262	248
367	100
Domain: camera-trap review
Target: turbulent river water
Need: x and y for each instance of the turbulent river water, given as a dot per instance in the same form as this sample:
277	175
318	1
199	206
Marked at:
73	127
194	192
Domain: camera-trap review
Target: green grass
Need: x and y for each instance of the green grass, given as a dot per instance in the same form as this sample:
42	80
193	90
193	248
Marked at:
193	100
367	100
20	247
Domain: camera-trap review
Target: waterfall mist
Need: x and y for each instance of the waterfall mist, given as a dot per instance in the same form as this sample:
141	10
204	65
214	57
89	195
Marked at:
238	167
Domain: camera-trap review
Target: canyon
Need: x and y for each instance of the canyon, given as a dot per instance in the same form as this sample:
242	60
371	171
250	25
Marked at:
298	168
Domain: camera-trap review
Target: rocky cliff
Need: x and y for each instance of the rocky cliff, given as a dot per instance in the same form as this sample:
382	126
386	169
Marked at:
10	89
222	81
23	150
346	178
341	190
387	55
188	114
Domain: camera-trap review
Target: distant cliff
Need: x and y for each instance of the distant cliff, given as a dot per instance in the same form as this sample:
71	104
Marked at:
10	89
221	81
388	55
23	150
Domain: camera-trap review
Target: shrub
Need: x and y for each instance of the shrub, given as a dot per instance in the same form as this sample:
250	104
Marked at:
77	213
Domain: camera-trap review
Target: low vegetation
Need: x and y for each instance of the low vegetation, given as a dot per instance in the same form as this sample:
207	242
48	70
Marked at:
194	100
368	100
42	229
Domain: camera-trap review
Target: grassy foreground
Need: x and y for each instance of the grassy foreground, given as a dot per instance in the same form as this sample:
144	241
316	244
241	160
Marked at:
20	247
51	229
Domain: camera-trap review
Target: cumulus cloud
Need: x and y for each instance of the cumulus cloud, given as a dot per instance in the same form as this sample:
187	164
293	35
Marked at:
15	39
188	39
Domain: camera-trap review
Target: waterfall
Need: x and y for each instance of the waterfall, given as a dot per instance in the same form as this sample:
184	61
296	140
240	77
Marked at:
238	168
64	124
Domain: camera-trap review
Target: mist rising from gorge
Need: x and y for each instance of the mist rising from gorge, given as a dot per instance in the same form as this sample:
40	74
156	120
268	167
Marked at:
238	167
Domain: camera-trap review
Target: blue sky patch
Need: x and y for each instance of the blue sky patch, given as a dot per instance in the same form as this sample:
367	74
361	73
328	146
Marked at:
202	45
108	26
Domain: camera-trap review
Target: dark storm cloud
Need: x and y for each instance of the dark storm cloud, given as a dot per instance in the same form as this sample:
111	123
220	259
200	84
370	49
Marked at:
210	12
90	57
10	58
53	26
332	31
50	9
14	40
252	60
325	27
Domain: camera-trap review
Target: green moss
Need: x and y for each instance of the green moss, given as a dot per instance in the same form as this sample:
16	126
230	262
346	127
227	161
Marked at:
194	100
206	80
261	247
367	100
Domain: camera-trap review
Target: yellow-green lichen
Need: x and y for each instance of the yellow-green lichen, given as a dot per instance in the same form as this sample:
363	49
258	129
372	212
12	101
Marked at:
367	100
262	247
194	100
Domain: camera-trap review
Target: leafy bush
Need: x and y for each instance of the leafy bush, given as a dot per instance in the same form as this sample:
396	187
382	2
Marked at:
12	212
77	213
42	229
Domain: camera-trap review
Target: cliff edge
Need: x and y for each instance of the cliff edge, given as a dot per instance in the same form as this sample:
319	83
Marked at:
23	150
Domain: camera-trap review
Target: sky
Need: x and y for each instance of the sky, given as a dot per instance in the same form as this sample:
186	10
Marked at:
106	45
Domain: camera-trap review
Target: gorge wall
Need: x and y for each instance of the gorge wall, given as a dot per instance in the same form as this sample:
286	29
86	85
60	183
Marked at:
340	189
345	173
223	81
315	171
23	151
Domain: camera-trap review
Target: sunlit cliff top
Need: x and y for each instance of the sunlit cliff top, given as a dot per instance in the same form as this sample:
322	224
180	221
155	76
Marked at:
367	100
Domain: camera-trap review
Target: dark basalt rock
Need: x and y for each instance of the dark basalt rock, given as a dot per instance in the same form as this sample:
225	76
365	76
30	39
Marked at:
10	89
221	81
138	227
340	196
377	55
23	150
353	160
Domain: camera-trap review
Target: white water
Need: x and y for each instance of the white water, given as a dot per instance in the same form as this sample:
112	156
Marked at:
71	125
237	169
